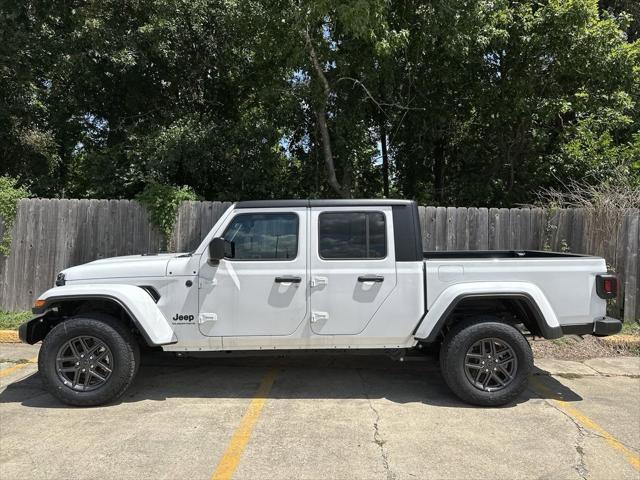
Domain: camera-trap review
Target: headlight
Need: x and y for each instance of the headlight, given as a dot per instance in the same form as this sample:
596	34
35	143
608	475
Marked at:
60	281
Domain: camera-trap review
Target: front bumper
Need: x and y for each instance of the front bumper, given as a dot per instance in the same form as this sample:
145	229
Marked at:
22	332
33	330
602	327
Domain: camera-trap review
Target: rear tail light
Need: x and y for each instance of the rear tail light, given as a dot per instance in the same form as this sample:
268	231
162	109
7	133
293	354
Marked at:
607	285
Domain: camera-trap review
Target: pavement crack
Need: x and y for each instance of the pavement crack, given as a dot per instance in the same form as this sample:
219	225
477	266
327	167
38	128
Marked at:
377	437
581	466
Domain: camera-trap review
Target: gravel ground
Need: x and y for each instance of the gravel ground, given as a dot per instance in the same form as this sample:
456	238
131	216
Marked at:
574	347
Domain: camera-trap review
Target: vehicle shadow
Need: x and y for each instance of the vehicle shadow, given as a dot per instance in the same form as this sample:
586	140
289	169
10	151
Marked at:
163	376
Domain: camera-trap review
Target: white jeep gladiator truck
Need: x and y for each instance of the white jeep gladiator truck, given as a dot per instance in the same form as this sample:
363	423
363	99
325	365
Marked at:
311	275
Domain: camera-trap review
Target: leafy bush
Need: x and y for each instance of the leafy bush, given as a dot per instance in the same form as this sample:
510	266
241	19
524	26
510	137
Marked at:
162	203
9	196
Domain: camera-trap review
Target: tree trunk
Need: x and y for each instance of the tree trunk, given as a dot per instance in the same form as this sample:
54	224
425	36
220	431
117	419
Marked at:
321	117
385	159
438	170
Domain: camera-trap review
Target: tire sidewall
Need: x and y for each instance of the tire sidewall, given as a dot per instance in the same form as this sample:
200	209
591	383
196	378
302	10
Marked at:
124	360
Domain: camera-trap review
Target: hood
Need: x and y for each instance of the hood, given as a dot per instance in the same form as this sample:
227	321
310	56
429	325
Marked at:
121	267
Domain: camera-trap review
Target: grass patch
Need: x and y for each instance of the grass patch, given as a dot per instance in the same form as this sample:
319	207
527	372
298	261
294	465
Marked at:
630	328
12	320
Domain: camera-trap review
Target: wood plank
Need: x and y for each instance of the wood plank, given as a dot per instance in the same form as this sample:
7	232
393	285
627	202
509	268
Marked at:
577	231
451	228
482	242
26	275
632	267
179	231
536	229
76	233
441	228
139	229
22	245
194	227
472	228
515	231
86	252
494	227
429	229
462	229
4	260
125	226
45	265
526	241
203	220
10	263
62	234
619	267
503	232
114	234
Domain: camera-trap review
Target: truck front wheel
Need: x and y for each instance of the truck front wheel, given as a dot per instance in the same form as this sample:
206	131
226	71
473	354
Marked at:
88	361
486	362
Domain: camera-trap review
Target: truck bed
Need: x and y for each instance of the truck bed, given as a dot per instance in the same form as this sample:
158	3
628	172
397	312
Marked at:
567	280
472	254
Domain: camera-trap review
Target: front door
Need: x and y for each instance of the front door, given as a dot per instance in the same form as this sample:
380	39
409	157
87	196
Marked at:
261	289
353	267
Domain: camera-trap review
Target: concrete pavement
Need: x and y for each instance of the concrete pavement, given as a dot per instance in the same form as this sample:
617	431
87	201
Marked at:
324	417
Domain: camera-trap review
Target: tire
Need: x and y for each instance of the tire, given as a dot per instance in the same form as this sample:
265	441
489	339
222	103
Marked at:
114	360
471	342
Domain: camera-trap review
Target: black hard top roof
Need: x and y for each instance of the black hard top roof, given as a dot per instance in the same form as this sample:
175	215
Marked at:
322	203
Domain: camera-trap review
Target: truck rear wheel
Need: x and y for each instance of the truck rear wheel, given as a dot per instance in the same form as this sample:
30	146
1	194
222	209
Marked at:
88	361
486	362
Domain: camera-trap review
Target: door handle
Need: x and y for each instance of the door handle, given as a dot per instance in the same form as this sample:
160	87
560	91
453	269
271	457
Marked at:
371	278
287	279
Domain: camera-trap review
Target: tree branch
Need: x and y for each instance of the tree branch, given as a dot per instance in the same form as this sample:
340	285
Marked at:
378	103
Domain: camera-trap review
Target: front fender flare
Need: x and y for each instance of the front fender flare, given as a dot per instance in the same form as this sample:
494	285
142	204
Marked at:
434	320
140	307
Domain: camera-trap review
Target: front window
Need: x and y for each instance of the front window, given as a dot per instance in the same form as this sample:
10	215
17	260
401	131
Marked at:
263	236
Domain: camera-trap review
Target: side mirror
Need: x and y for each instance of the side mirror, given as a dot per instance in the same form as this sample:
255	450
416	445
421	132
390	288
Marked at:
217	249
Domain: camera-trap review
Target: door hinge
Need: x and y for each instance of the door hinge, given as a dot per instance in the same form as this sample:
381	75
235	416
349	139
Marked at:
317	281
207	317
203	281
318	316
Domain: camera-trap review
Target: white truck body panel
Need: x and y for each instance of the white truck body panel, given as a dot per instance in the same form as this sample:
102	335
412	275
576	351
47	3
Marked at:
564	288
239	304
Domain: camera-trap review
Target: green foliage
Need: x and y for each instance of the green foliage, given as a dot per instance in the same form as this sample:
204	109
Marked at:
631	328
10	193
481	103
162	203
12	320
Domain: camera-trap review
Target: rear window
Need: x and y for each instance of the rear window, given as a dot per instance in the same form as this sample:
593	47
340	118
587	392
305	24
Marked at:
352	235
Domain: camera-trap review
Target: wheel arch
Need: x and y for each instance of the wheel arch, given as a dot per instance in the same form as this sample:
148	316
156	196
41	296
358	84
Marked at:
128	303
529	306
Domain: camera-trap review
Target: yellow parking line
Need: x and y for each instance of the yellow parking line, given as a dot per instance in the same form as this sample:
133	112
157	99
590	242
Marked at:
8	371
585	421
229	461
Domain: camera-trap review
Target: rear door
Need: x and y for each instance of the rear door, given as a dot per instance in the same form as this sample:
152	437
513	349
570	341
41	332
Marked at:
352	267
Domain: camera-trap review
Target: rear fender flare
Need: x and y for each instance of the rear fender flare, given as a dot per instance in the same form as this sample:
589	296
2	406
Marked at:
436	317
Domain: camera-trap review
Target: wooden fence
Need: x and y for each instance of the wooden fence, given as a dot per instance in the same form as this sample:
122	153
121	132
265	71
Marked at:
49	235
